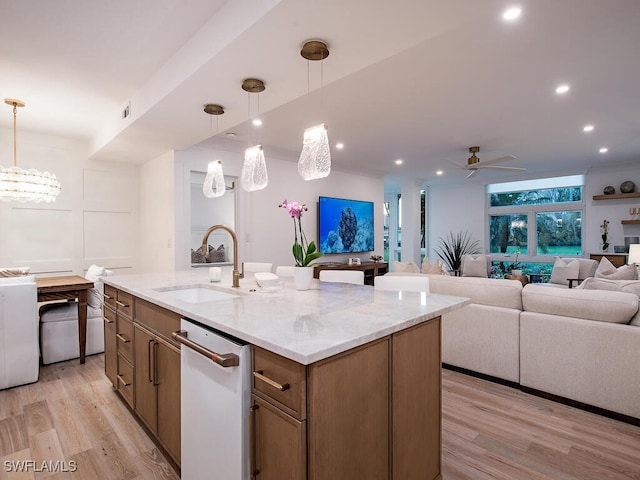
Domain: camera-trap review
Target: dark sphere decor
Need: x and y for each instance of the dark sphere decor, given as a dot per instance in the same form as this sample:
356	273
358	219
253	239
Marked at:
609	190
628	187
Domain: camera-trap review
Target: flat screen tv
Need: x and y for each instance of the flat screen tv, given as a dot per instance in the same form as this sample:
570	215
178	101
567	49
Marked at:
345	226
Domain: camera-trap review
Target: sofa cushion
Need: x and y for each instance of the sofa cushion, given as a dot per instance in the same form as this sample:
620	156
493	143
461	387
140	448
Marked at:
406	267
604	306
14	271
562	271
476	265
484	291
607	270
433	268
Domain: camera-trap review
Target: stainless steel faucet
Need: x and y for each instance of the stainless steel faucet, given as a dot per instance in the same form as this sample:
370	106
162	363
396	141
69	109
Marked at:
237	274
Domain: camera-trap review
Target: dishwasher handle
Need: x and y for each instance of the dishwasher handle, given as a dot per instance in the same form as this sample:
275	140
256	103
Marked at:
222	359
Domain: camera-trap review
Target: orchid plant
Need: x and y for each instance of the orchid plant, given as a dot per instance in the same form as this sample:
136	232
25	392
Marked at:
303	252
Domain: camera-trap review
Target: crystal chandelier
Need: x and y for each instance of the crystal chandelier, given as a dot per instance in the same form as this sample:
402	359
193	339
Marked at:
254	168
315	158
18	185
214	181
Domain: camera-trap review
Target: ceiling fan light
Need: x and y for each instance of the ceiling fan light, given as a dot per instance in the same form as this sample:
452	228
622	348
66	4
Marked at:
315	158
214	181
254	169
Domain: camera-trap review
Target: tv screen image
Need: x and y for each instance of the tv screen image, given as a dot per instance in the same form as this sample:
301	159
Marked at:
345	226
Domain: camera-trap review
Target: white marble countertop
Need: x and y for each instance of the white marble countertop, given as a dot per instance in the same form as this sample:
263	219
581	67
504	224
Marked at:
304	326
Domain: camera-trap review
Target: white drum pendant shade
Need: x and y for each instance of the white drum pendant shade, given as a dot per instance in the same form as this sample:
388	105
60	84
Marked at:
254	169
214	181
315	158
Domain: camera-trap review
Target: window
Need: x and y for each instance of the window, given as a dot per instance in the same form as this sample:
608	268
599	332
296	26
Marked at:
534	221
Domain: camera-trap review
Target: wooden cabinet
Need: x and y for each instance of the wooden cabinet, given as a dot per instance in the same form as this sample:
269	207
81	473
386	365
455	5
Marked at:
143	363
370	269
372	412
118	341
157	374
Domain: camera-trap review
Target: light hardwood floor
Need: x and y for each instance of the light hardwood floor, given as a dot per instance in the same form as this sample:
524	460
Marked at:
489	431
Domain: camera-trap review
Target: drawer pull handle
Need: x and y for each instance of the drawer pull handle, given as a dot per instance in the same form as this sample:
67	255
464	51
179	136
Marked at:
268	381
122	338
123	305
107	320
124	383
107	297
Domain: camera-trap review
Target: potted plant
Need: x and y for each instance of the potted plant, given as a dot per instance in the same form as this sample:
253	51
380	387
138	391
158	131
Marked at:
453	247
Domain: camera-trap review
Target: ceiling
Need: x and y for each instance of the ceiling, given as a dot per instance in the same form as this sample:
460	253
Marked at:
417	80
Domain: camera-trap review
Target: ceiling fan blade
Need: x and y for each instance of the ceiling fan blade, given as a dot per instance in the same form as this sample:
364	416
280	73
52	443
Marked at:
473	172
498	160
500	167
459	165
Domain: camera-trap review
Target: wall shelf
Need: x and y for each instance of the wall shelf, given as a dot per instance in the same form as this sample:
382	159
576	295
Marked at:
618	196
631	222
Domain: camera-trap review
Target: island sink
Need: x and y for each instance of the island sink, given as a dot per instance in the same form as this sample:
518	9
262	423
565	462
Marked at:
197	293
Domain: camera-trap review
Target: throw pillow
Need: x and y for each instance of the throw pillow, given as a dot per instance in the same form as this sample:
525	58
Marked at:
563	271
607	270
216	255
197	256
433	268
406	267
474	267
593	283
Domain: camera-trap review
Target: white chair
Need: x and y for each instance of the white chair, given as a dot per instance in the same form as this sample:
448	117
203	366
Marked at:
342	276
19	362
59	323
285	271
405	283
255	267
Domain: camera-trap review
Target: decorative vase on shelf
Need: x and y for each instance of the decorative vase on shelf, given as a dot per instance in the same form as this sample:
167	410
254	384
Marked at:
302	277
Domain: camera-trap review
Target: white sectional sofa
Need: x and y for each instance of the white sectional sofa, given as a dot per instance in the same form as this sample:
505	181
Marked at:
580	344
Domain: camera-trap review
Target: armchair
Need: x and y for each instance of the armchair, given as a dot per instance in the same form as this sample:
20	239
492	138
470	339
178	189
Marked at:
19	362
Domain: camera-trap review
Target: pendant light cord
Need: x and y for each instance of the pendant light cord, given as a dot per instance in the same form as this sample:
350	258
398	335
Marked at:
15	116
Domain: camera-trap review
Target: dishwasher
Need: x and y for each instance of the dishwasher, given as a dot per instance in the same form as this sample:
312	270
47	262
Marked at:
215	392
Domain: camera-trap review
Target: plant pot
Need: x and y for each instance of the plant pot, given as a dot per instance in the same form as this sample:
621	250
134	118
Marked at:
516	272
302	277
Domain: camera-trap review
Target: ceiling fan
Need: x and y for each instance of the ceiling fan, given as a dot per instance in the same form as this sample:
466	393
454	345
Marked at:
474	164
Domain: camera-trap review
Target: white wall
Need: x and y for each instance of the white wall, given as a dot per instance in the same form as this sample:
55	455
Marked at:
157	214
265	232
94	220
460	208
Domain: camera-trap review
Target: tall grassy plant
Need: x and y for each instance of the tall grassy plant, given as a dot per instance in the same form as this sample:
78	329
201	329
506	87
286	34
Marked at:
454	246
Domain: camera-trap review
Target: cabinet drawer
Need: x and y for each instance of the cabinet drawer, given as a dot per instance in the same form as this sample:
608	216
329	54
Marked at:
158	319
109	314
124	335
125	379
110	296
281	380
124	304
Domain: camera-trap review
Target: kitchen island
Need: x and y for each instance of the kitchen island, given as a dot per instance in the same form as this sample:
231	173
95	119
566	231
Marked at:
345	379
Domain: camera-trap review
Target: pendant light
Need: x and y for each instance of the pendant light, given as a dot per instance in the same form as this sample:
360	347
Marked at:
315	158
214	181
18	185
254	169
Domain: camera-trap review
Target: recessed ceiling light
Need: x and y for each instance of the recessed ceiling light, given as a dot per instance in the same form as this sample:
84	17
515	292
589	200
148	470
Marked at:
561	89
399	161
603	150
587	128
439	172
511	14
257	122
339	145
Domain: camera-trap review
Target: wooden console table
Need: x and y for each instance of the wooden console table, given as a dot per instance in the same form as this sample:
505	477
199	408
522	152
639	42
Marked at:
68	288
617	259
370	269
